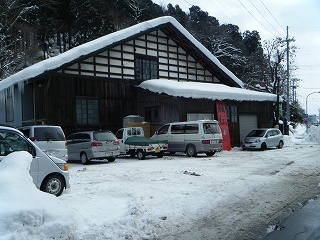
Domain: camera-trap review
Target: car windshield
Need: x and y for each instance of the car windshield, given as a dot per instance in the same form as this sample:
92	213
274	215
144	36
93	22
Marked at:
256	133
48	134
103	136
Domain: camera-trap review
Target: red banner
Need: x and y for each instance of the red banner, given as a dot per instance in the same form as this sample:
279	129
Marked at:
223	121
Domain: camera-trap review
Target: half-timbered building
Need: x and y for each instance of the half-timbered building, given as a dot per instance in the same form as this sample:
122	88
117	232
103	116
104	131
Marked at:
97	84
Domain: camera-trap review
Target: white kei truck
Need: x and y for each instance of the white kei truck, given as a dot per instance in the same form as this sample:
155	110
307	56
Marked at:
132	142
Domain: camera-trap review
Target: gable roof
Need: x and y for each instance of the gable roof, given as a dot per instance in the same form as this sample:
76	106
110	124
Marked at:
168	25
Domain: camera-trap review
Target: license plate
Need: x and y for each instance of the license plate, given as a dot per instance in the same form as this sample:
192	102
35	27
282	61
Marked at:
214	141
51	153
157	150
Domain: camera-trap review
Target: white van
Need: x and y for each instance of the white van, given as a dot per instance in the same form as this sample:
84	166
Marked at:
202	136
50	139
49	174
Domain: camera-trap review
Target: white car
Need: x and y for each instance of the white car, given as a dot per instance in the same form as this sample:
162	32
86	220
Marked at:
50	174
262	139
93	145
50	139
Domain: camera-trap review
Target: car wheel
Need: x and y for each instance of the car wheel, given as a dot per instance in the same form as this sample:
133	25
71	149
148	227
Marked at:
263	146
160	154
191	151
209	154
53	184
111	159
132	153
141	155
280	144
84	159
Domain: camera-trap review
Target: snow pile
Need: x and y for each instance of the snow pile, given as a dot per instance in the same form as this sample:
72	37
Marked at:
26	212
313	134
299	135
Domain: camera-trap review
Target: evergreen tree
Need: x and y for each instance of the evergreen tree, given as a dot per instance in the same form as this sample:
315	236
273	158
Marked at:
177	13
92	20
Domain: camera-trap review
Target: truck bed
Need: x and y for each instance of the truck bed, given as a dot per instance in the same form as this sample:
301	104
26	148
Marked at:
142	141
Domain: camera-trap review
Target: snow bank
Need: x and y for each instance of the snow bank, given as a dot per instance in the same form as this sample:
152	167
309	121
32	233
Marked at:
301	136
26	212
313	134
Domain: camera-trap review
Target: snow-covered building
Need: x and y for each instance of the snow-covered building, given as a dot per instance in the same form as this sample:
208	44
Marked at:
155	69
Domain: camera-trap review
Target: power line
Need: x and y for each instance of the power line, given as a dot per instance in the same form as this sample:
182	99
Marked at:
231	14
255	18
265	18
273	16
220	10
188	2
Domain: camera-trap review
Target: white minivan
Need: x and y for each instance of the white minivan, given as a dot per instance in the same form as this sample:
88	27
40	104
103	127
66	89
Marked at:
202	136
50	139
49	174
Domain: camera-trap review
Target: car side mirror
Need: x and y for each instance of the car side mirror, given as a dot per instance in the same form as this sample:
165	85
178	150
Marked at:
33	151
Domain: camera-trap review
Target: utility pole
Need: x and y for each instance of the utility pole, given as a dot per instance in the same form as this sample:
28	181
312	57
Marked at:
288	80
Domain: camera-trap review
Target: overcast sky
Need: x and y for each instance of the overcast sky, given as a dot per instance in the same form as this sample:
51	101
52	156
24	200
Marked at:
271	18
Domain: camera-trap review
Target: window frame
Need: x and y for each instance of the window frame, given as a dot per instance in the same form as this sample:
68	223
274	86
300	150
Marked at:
146	67
86	115
232	114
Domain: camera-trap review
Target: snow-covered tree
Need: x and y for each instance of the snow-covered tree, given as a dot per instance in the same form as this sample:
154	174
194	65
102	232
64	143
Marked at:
17	37
136	10
275	52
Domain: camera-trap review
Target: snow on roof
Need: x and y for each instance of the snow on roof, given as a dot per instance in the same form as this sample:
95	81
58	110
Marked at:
204	90
102	42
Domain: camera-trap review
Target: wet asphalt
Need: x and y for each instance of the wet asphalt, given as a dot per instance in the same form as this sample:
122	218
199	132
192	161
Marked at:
303	224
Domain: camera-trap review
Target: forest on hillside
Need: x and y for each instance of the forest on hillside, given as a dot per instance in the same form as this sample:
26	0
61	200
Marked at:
33	30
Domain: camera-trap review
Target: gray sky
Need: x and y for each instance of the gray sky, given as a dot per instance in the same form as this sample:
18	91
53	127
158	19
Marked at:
271	18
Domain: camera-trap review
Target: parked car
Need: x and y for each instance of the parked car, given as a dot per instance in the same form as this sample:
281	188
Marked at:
93	145
50	139
202	136
263	138
49	174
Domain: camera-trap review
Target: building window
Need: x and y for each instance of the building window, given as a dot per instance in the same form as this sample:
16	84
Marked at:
9	107
152	114
87	111
146	68
232	114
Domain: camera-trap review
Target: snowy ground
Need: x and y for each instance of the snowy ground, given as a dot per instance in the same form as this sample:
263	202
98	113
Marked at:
232	195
